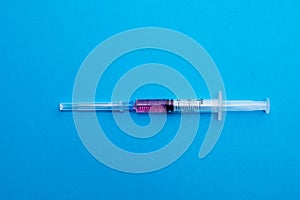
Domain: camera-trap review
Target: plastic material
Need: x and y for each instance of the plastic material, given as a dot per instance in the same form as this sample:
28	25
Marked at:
173	106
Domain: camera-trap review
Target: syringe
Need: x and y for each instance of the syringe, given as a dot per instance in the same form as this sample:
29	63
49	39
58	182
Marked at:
172	106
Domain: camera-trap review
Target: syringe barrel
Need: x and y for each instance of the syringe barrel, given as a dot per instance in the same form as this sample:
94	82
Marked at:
198	105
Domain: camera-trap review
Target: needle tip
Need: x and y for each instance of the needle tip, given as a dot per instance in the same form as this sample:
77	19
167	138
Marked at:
61	106
268	106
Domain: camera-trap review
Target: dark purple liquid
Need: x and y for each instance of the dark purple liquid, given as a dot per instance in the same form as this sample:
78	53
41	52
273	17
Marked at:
154	106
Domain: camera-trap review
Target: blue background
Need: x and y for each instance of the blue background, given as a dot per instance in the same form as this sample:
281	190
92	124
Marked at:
255	45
